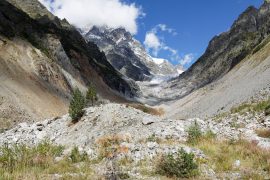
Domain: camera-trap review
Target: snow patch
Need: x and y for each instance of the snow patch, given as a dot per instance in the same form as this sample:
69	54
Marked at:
158	60
180	71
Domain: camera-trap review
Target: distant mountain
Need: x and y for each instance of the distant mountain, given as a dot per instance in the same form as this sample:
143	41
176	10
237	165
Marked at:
127	54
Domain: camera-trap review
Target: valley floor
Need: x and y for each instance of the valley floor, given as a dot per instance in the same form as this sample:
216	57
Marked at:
114	140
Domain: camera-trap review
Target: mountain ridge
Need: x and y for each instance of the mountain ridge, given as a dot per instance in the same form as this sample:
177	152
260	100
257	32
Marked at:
127	54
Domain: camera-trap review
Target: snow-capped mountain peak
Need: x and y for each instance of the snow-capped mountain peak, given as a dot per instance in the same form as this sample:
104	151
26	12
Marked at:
128	55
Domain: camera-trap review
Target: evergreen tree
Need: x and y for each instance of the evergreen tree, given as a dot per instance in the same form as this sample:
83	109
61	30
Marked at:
91	95
76	105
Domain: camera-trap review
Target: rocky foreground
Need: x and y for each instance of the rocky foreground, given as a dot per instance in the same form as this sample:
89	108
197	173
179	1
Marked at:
113	132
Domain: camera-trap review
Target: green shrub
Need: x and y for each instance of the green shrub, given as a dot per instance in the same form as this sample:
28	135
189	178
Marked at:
194	133
182	165
77	156
76	105
91	95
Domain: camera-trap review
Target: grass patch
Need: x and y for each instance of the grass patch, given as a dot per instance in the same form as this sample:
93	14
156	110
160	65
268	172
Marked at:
181	165
153	138
110	146
194	133
146	109
39	162
252	107
264	133
77	156
222	155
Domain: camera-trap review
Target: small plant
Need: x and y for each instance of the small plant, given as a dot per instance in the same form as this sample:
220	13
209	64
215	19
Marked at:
109	146
76	105
91	95
194	133
77	156
209	134
182	165
153	138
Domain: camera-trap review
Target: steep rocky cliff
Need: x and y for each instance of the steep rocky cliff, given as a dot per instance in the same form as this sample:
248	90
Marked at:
46	58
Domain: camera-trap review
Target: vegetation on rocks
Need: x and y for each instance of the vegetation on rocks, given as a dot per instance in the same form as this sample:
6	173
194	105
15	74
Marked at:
147	109
91	95
42	161
182	165
76	105
194	133
253	161
77	156
252	107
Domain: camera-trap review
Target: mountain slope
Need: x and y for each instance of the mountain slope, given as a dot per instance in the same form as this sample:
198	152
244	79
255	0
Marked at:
43	59
248	81
223	53
127	54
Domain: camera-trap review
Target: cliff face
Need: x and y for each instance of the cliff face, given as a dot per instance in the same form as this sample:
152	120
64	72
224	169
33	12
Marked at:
246	36
127	55
42	54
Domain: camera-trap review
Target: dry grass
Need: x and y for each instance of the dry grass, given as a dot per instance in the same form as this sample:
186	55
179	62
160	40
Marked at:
38	162
223	154
264	133
110	146
147	109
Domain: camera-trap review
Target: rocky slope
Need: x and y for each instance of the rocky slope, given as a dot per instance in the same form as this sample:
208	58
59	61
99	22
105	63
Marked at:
246	36
43	59
128	56
138	138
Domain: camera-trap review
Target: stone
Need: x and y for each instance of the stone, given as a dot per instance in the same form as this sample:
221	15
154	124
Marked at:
148	121
237	163
152	145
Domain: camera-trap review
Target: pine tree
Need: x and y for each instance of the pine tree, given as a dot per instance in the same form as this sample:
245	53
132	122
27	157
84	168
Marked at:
91	95
76	105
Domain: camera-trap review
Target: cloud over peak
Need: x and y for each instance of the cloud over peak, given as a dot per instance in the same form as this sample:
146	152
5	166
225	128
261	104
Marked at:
87	13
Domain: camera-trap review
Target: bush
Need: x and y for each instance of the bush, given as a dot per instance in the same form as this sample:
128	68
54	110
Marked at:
181	166
76	105
194	133
77	156
91	95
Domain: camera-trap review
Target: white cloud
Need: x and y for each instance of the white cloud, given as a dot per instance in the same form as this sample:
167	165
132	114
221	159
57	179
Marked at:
153	42
87	13
164	28
186	59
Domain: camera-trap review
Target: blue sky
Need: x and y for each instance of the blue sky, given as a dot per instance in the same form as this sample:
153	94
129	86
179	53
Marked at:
195	22
177	30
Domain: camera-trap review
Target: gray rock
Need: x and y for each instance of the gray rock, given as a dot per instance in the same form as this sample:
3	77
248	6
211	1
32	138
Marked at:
148	120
